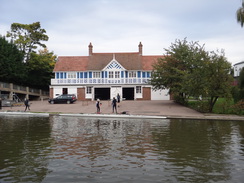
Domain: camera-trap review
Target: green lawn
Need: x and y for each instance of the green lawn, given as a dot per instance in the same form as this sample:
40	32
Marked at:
222	106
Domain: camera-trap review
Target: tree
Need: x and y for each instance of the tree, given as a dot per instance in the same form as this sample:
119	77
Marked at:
188	70
28	37
240	15
40	69
175	70
218	78
12	68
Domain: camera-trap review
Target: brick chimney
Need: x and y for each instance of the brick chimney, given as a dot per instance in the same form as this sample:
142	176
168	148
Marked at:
90	49
140	48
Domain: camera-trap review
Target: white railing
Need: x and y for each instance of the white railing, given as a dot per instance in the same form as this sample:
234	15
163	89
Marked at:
100	81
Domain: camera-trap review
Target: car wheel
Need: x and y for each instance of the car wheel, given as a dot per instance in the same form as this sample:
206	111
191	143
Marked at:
68	101
52	102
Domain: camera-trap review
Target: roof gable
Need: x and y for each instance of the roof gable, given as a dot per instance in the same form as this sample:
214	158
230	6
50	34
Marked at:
114	65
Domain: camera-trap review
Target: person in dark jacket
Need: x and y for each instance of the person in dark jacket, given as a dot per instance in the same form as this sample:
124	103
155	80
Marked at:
27	105
98	106
118	99
114	105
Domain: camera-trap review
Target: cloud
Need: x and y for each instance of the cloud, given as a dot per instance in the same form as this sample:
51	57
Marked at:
119	26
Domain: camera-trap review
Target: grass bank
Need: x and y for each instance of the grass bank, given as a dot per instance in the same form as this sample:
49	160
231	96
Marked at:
222	106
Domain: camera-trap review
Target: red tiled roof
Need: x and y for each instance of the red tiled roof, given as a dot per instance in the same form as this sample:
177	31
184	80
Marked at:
71	63
130	61
97	61
148	61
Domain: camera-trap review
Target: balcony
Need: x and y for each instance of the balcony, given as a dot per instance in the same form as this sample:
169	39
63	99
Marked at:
98	81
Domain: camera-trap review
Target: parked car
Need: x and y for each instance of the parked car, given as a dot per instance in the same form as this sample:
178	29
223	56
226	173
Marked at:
66	98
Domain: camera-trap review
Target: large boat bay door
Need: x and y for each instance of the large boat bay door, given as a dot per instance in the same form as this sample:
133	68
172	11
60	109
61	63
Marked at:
102	93
129	93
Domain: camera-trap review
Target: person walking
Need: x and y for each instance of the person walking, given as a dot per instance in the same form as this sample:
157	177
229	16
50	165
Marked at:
98	106
27	105
114	105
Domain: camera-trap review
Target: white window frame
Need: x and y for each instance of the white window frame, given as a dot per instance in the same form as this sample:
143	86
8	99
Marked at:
88	90
117	74
110	74
71	75
132	74
96	74
138	89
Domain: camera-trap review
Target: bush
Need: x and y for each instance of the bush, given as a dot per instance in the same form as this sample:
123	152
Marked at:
180	99
239	107
200	106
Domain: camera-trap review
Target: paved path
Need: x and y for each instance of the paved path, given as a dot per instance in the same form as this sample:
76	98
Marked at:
150	108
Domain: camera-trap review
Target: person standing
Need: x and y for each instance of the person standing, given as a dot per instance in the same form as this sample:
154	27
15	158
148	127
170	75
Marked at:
27	105
114	105
98	106
118	99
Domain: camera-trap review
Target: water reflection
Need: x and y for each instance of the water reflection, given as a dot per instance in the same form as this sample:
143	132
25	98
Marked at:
23	149
68	149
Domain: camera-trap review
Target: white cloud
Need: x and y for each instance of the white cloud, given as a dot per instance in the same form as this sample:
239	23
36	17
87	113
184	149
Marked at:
119	26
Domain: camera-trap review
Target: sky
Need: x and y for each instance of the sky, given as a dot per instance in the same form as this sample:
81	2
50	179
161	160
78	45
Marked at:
120	25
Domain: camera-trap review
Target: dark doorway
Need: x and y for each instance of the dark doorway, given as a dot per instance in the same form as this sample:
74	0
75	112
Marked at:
65	91
128	93
102	93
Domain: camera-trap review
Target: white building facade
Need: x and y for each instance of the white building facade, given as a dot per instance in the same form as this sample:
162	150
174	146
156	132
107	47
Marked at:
105	75
237	68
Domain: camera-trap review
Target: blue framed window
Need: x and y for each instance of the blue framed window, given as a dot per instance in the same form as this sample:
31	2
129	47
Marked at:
57	75
126	74
139	74
81	74
90	74
61	75
122	74
85	74
143	74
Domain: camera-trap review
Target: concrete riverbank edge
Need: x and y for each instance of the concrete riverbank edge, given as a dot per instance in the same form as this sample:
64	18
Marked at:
125	116
133	109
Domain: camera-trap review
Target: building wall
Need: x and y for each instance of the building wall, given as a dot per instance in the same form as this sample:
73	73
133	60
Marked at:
80	91
160	95
237	68
58	90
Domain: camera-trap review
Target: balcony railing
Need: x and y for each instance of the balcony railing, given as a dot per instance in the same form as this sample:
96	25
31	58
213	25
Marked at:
100	81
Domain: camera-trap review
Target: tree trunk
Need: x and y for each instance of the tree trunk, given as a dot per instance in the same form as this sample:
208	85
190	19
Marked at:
212	102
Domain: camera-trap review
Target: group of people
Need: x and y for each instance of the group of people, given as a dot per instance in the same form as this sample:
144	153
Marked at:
114	104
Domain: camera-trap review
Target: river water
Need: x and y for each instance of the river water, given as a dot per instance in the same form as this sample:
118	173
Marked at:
59	149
